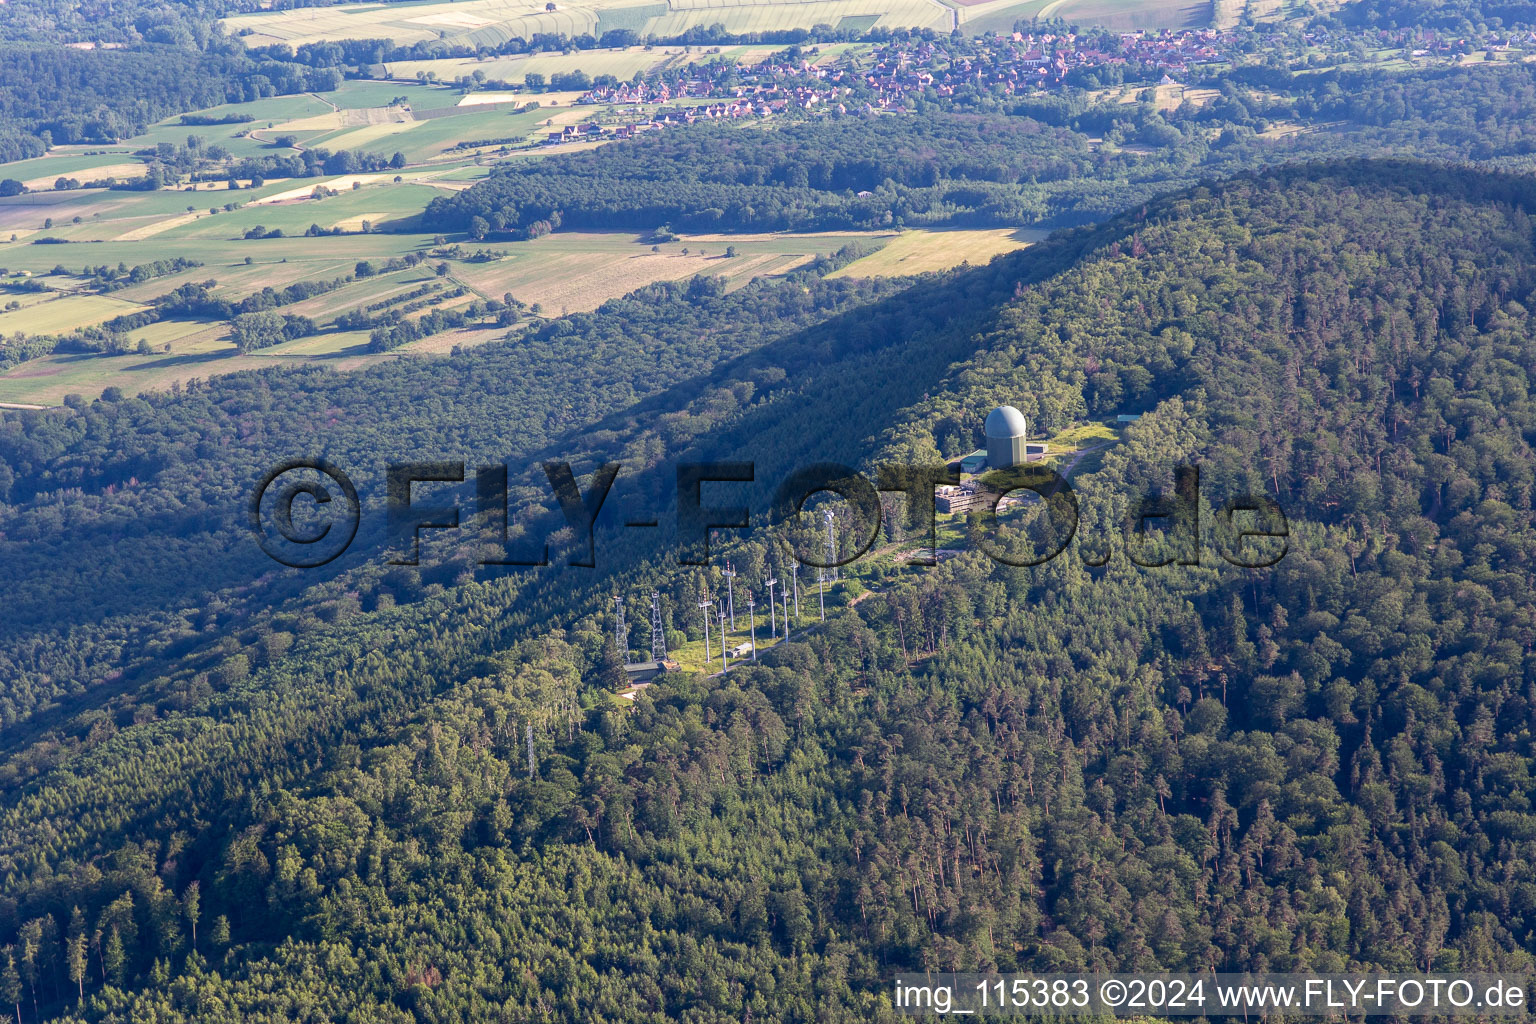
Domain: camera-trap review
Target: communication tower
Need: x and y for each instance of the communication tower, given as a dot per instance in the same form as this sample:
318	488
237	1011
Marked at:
658	635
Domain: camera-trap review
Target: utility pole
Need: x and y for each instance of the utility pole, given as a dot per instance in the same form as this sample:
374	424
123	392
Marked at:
794	572
772	630
786	618
724	667
704	607
752	618
730	592
821	578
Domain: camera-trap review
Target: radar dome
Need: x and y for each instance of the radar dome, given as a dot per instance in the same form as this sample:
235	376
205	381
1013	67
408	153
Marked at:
1006	421
1006	430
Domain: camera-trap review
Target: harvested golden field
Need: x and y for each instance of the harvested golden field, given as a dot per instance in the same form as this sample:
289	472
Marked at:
65	313
918	251
572	272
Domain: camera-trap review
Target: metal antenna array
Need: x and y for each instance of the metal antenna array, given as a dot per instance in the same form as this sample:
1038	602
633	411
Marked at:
828	574
827	515
752	618
730	591
772	628
658	635
704	607
620	627
794	573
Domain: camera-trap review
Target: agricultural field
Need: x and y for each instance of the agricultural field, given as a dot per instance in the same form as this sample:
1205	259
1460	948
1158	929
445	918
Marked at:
421	138
919	251
1122	15
64	312
48	380
565	272
1128	15
492	22
74	161
574	271
435	139
357	116
472	23
241	139
622	62
385	204
113	221
1163	97
861	15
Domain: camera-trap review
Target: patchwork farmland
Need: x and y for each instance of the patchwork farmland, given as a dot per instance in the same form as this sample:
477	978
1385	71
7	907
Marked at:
567	272
494	22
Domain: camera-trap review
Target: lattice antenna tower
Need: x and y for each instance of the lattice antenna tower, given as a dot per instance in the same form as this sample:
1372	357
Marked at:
658	635
729	572
773	630
704	607
827	515
752	618
620	627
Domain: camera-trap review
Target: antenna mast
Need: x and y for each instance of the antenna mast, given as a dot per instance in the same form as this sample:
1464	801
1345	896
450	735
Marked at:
620	627
829	573
752	618
704	607
658	635
729	573
831	545
772	627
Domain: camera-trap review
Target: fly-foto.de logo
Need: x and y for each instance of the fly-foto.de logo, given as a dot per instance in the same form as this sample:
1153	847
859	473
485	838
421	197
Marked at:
305	513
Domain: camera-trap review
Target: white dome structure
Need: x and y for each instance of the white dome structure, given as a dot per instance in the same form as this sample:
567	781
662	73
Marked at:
1006	430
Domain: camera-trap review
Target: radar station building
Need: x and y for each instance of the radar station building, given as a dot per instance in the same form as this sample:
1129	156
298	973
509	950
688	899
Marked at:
1006	431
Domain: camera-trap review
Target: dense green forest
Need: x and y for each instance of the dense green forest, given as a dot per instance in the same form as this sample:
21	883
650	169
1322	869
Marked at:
62	95
258	795
834	172
1446	15
175	22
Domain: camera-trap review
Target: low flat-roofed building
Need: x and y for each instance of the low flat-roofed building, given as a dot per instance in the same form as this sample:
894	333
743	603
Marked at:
644	671
954	499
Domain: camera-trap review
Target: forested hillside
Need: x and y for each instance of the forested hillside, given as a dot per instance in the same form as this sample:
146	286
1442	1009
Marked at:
993	159
64	95
308	797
